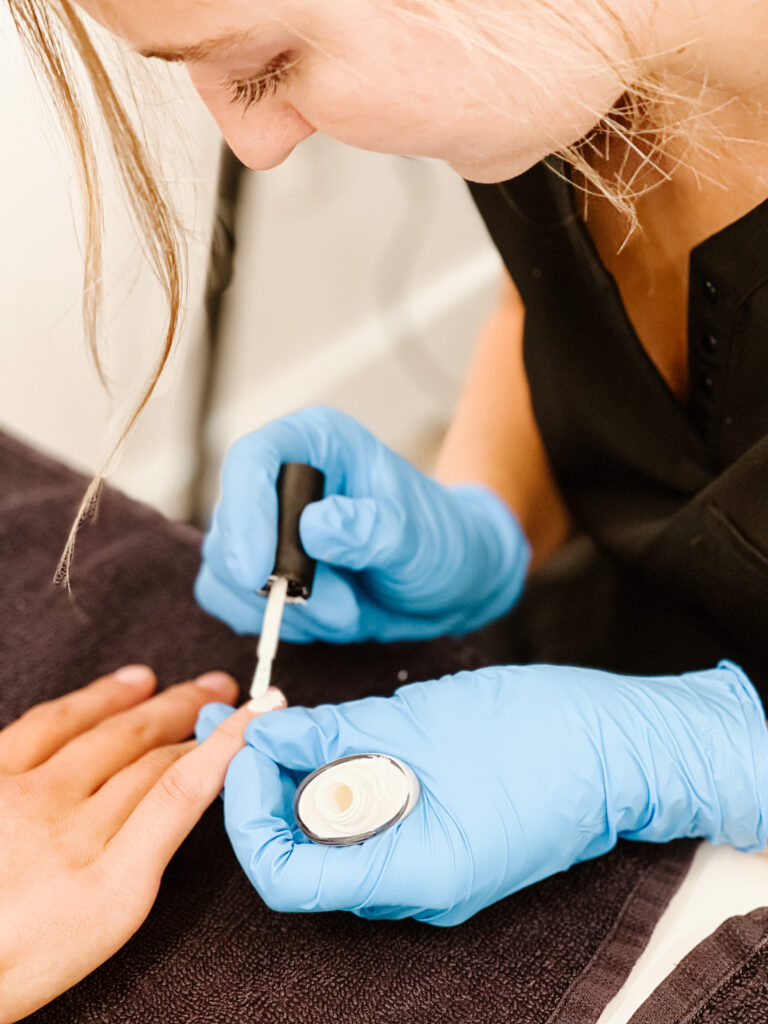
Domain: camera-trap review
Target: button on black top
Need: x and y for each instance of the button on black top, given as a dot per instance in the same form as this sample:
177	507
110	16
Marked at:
710	290
708	344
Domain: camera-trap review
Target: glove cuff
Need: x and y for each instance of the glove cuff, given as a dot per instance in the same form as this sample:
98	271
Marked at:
745	806
706	761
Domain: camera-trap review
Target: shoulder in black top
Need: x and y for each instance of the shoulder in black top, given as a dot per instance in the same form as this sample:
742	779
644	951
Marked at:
678	493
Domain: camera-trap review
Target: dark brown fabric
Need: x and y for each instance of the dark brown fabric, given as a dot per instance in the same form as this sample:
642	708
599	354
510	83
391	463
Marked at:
211	951
724	980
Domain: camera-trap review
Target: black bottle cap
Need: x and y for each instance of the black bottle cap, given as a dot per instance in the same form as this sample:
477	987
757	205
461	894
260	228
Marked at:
298	485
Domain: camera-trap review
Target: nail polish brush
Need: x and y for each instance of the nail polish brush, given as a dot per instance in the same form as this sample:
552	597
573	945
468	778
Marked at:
291	580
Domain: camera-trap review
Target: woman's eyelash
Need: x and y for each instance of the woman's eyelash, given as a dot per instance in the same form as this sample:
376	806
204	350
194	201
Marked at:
247	93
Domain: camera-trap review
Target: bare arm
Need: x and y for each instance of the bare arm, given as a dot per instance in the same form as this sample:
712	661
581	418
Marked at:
494	438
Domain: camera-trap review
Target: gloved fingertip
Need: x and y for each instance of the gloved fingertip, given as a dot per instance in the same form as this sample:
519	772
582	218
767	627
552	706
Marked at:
209	718
201	585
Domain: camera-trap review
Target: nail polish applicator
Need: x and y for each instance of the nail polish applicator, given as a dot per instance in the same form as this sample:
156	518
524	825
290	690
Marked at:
298	485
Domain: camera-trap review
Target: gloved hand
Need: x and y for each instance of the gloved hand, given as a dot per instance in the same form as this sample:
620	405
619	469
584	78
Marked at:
524	771
400	556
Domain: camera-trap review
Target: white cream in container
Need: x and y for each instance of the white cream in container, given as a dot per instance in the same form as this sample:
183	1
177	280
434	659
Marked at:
357	797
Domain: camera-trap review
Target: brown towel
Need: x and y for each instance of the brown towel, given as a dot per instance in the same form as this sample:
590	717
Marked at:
724	980
211	951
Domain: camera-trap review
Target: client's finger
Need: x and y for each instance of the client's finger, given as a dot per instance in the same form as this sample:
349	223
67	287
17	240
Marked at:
105	813
167	814
45	728
110	806
87	761
212	715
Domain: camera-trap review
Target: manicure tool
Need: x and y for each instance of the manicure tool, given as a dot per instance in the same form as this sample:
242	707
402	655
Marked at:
298	485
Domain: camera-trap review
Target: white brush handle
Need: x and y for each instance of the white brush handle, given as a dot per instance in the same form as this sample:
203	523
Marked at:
270	637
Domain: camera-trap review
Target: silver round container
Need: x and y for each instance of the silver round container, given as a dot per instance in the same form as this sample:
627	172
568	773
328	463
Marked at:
355	798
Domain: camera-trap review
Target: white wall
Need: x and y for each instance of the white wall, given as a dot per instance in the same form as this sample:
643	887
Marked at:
48	391
360	281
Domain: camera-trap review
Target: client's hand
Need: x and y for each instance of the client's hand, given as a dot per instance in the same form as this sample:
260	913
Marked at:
97	791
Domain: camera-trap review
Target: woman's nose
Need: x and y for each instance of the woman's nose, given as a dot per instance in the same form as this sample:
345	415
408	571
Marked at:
264	140
261	137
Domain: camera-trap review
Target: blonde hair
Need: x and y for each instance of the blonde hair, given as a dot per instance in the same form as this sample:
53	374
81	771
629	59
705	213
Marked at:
49	29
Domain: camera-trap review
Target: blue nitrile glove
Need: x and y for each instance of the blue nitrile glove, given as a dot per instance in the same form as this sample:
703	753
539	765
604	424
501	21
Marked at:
400	556
524	771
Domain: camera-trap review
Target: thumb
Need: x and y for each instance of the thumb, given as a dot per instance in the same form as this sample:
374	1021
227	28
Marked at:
355	533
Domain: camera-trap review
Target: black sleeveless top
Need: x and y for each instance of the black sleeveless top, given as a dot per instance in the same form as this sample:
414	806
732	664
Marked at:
676	494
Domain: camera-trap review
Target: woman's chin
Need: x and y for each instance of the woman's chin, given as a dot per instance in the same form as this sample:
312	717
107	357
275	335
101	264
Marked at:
491	171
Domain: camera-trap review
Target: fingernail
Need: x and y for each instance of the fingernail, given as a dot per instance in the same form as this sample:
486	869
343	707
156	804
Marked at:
135	675
272	700
217	682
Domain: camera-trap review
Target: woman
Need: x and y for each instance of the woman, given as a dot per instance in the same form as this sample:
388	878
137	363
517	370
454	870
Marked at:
570	420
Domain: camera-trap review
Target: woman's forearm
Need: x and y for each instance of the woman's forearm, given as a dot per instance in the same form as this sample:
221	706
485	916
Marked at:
494	439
